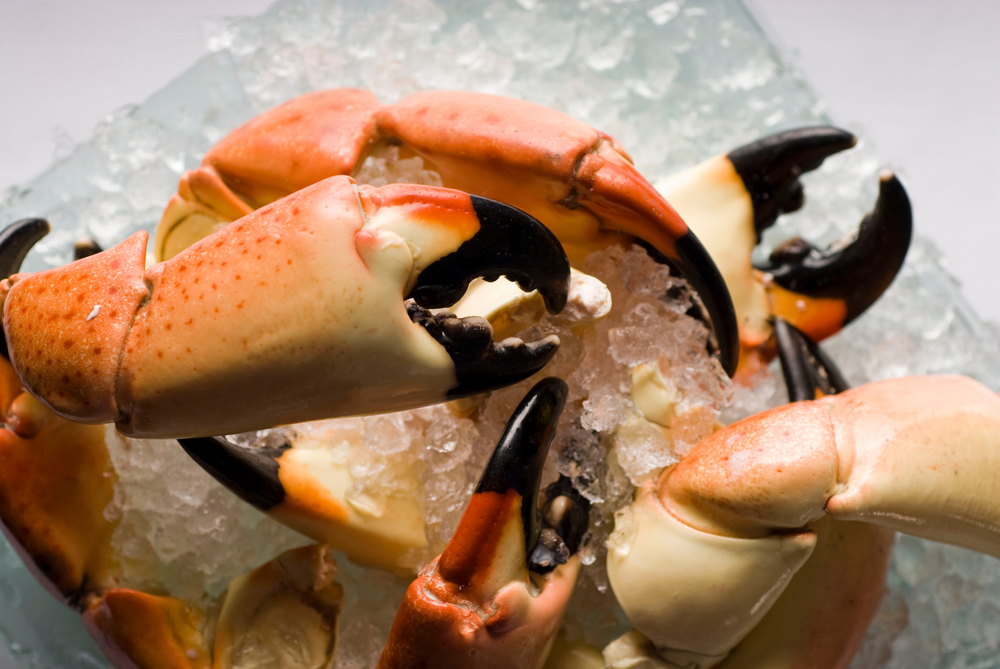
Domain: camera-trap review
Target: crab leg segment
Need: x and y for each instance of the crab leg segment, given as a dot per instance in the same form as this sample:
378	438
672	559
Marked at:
731	199
914	455
477	601
304	297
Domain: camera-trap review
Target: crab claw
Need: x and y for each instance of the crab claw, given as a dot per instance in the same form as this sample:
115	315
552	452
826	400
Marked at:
304	297
809	372
284	613
578	181
916	455
477	600
770	168
820	291
305	487
729	200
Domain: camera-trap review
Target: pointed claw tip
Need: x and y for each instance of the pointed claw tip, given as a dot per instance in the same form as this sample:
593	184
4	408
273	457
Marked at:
860	271
252	474
555	297
17	239
517	461
805	365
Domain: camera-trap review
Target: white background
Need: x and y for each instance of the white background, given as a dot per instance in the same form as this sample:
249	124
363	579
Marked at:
921	77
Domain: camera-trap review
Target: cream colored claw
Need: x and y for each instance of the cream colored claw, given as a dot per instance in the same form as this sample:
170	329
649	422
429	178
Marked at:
729	526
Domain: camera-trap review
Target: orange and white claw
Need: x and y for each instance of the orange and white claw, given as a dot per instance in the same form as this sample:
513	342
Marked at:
478	601
305	297
915	455
305	485
517	630
576	180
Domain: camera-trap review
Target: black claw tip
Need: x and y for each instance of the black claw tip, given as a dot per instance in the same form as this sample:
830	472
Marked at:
85	247
566	516
481	364
16	240
859	272
519	457
251	473
805	366
770	168
714	305
509	243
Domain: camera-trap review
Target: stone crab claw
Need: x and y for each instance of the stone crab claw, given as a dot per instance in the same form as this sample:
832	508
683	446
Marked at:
749	504
479	604
306	489
729	200
576	180
305	297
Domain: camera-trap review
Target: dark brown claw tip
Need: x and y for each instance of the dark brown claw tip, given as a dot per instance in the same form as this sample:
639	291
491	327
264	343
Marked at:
16	240
481	364
85	247
518	460
713	304
808	371
565	517
770	168
860	271
509	243
250	473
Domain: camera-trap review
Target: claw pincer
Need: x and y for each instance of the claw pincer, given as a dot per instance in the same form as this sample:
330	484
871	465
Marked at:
731	199
304	297
576	180
477	605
